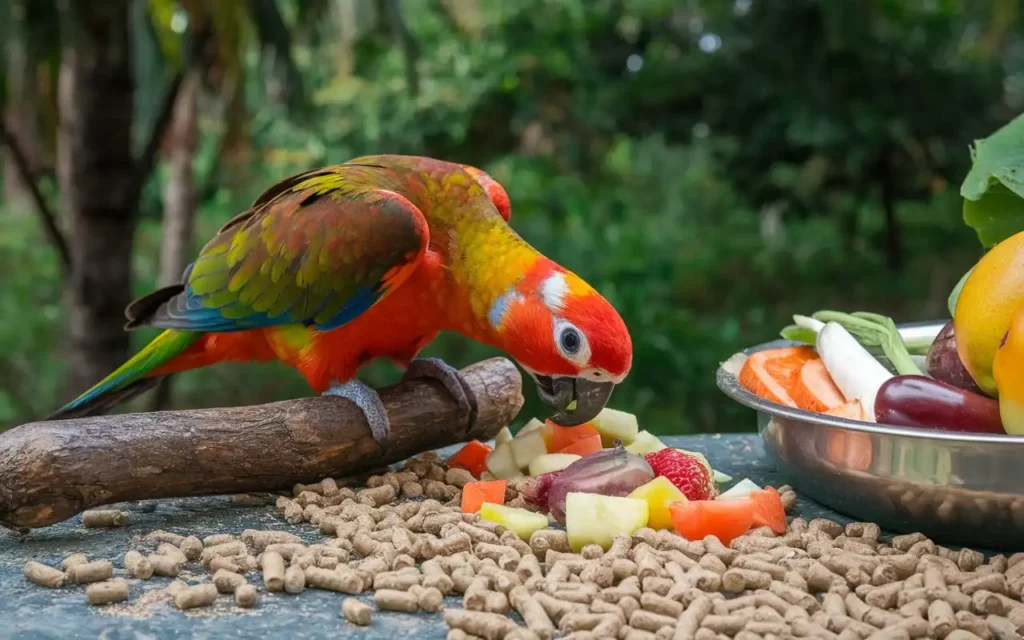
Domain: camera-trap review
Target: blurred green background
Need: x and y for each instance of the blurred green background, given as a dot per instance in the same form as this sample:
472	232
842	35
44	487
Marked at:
711	166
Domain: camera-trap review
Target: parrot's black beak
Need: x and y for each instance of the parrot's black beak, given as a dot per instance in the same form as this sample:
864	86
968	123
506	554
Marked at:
575	400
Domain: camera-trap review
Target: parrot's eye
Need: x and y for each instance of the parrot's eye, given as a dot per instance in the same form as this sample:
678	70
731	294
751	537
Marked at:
571	342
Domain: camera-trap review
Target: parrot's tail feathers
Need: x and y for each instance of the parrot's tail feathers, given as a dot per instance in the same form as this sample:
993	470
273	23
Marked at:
105	401
140	311
131	378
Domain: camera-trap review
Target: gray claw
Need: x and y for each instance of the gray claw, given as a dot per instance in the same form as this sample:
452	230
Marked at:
449	376
366	398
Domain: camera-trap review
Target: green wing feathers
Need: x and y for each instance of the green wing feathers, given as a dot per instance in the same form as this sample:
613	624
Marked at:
130	378
319	251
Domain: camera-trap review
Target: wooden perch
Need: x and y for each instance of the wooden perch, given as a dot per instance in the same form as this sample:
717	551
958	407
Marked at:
50	471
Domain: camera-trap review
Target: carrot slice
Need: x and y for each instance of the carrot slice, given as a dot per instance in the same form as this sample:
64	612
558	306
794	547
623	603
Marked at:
584	446
814	389
853	410
773	374
472	457
724	519
474	494
557	437
768	510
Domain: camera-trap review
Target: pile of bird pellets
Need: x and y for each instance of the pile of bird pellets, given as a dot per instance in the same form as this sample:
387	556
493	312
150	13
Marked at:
401	535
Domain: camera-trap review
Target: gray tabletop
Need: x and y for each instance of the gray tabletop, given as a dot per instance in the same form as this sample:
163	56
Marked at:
29	611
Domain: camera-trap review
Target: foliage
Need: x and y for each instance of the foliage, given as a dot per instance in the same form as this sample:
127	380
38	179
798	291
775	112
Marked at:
993	191
708	170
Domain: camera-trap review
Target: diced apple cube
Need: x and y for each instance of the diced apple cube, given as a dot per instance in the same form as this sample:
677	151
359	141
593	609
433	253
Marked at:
530	426
526	448
503	436
522	522
551	462
591	518
741	489
645	443
659	494
501	463
613	424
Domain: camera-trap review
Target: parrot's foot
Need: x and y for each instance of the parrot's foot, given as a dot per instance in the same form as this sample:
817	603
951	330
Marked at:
449	376
366	398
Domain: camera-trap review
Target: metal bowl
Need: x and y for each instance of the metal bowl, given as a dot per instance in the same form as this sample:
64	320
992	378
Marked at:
957	488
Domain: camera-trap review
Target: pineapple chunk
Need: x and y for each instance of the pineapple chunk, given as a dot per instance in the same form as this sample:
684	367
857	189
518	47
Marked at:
613	424
503	436
551	462
522	522
532	425
591	518
526	448
659	494
501	462
645	443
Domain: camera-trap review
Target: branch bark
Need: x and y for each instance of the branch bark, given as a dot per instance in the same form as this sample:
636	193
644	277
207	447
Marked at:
46	215
50	471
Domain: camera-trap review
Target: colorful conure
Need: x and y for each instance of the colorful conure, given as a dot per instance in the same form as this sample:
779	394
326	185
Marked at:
335	267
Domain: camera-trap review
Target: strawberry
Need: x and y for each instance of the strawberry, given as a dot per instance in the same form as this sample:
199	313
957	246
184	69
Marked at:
690	472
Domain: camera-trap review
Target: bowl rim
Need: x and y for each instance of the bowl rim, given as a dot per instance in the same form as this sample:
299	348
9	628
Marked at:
729	384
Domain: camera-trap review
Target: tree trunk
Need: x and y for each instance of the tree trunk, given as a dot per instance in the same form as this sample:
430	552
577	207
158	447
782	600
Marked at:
179	198
95	170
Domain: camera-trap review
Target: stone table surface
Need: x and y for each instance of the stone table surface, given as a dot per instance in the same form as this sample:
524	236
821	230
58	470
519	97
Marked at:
29	611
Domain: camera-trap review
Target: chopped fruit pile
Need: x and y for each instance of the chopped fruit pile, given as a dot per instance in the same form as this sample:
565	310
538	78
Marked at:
609	477
860	368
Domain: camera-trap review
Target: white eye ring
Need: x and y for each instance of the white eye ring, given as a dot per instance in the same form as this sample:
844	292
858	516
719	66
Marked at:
571	343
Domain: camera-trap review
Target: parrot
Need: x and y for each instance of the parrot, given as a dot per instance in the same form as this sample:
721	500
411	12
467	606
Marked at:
335	267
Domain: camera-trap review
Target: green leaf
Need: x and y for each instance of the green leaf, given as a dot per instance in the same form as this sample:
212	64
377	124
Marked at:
955	295
993	190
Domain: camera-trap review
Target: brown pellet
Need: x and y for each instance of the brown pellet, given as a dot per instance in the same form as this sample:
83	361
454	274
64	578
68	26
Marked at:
107	592
72	560
199	595
245	596
294	580
226	581
273	571
191	547
43	575
356	612
259	540
94	571
164	536
393	600
234	548
218	538
104	518
344	582
489	626
164	565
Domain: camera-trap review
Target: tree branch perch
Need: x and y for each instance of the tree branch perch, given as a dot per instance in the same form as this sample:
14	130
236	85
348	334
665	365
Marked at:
50	471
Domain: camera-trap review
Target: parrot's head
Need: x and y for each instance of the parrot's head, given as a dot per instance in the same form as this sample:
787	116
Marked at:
568	337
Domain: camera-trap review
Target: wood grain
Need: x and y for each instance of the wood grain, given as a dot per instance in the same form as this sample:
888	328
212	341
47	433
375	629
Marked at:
51	471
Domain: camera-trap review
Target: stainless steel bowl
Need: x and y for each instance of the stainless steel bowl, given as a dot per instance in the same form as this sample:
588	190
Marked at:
957	488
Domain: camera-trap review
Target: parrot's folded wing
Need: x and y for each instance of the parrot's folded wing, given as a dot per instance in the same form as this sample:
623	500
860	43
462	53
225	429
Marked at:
319	251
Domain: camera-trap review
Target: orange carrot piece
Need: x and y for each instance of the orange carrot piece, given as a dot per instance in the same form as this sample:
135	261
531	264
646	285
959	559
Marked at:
474	494
772	374
853	410
724	519
472	457
584	446
814	389
768	510
557	437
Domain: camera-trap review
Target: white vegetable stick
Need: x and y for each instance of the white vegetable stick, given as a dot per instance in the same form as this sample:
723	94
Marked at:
855	371
808	322
741	489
